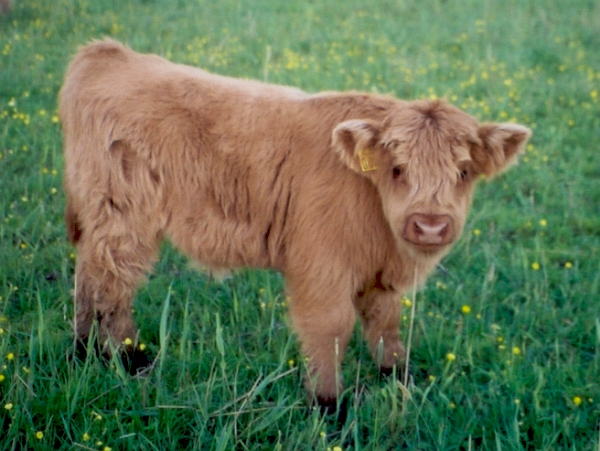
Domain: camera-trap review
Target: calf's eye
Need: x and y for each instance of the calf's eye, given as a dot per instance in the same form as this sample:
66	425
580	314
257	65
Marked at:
396	172
464	174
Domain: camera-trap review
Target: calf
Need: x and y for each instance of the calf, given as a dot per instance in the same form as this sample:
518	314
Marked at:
349	195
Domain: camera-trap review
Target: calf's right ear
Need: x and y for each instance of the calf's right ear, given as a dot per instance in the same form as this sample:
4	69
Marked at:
355	141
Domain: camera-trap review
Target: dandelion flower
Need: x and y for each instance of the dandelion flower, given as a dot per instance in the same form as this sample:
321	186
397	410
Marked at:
291	362
8	406
2	377
476	232
142	346
535	266
39	435
568	265
451	357
466	309
516	350
577	400
337	448
543	222
128	341
86	437
10	356
406	302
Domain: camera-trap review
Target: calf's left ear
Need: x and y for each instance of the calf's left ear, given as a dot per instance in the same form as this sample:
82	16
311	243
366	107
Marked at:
355	142
498	146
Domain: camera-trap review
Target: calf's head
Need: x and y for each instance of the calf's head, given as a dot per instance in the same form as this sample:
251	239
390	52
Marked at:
425	159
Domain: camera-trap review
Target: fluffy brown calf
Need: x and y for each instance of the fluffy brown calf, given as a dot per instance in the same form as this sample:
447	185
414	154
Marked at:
347	194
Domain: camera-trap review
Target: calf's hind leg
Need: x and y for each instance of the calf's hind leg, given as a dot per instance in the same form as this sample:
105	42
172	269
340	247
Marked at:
111	264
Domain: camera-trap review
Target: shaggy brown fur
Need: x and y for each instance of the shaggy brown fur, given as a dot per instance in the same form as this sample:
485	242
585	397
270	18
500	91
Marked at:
347	194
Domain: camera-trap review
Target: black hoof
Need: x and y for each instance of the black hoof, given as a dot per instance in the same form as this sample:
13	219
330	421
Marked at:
334	408
135	361
83	347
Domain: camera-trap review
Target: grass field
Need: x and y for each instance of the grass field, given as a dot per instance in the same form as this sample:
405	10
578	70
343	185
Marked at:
506	347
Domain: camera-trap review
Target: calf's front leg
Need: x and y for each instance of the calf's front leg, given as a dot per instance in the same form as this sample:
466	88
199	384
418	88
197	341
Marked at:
324	322
379	310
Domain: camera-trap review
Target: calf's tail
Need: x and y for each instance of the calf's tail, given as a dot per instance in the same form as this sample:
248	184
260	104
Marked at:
72	223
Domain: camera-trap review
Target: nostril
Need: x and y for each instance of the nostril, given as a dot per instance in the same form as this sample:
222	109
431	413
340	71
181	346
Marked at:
418	229
444	230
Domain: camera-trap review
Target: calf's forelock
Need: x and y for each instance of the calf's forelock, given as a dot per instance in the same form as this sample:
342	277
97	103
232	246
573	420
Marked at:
429	141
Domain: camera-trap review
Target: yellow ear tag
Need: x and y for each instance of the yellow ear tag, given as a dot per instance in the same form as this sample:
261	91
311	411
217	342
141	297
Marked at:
367	160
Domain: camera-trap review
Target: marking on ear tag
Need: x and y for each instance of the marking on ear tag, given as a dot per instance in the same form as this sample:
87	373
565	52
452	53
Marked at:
367	160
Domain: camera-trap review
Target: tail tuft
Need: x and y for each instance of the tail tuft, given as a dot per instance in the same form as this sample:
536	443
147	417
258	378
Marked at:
72	223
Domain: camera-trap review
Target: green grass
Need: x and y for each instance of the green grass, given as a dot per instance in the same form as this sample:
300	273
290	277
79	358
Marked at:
526	372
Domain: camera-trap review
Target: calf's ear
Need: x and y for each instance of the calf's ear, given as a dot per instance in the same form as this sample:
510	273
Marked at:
355	142
499	146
